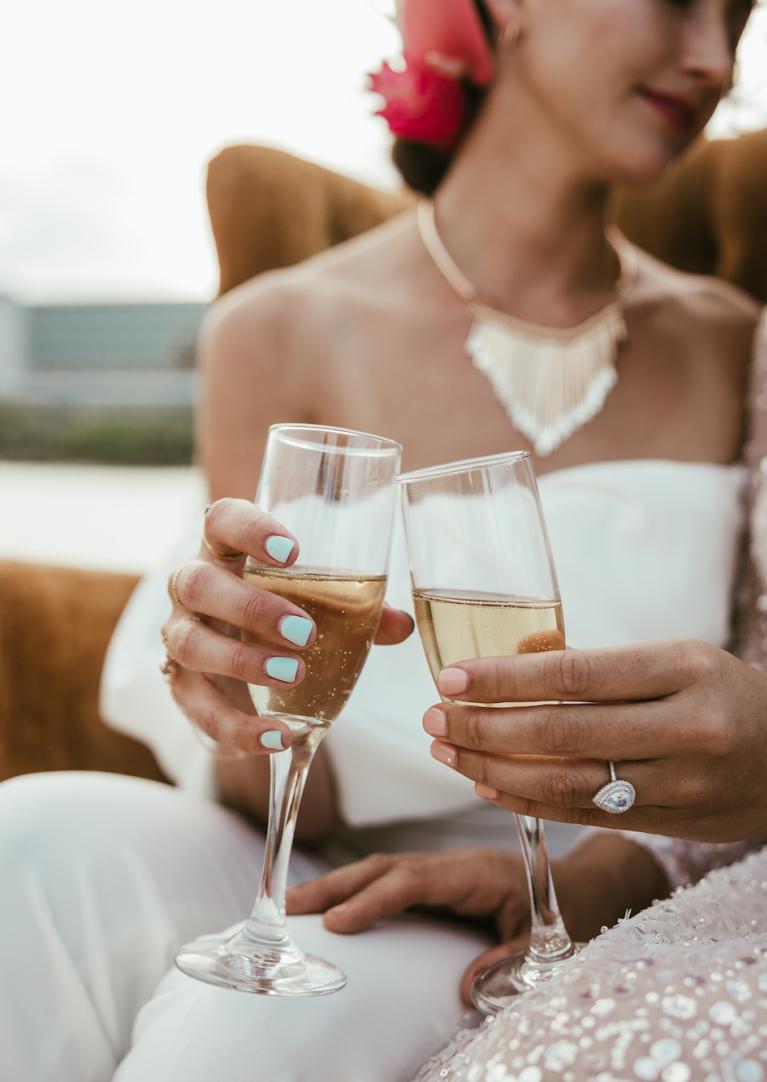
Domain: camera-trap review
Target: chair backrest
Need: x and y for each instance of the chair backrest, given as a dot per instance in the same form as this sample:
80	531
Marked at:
708	215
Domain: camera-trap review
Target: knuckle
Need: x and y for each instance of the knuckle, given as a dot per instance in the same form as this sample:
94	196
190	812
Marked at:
185	642
558	735
559	787
241	661
716	732
692	790
192	583
503	680
377	863
253	525
700	660
208	722
478	768
253	609
217	513
409	870
574	672
475	730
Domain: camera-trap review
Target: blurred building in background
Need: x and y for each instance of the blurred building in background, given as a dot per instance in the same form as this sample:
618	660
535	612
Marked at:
98	355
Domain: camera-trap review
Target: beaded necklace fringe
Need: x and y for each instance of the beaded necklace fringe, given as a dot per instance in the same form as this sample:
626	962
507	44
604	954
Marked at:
550	381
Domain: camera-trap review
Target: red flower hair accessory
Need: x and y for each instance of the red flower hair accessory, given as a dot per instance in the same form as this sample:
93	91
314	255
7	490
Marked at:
443	42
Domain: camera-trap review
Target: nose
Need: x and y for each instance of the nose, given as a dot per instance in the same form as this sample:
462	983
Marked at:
709	54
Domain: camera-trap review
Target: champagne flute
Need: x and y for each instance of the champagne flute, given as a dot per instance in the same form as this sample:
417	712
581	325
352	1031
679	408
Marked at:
484	585
335	490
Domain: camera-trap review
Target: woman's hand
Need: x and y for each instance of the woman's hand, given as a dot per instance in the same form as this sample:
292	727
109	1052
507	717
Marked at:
210	664
596	883
684	722
484	884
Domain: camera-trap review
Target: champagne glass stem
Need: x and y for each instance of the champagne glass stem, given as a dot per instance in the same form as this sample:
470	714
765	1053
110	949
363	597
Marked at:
266	925
549	941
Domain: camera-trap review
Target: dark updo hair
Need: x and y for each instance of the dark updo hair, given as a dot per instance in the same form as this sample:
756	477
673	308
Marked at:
423	167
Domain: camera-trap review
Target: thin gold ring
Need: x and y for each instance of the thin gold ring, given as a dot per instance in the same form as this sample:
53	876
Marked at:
224	556
174	587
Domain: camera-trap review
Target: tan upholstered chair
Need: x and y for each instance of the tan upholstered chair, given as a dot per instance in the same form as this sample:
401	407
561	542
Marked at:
269	209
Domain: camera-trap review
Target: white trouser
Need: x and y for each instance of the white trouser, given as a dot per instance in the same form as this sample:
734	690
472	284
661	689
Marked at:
103	877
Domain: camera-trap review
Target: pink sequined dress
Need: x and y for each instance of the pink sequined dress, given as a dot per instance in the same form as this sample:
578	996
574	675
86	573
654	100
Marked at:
677	993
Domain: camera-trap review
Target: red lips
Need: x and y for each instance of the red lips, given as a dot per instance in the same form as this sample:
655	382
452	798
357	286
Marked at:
681	113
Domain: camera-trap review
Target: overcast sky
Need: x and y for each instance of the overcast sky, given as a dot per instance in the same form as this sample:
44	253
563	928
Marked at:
111	112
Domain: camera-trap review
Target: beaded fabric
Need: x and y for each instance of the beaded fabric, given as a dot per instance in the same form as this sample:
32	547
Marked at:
677	993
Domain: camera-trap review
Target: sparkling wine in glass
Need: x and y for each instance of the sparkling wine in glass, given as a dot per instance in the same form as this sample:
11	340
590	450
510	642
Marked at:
335	490
484	585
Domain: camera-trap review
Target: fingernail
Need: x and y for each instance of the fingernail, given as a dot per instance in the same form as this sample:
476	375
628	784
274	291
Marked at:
282	668
452	681
486	792
273	740
435	721
443	753
296	629
279	548
207	509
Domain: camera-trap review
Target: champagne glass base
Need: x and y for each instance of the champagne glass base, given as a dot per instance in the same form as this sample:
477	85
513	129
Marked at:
209	959
501	984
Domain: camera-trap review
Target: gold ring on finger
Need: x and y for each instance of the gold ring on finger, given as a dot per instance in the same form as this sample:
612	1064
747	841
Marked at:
174	588
218	555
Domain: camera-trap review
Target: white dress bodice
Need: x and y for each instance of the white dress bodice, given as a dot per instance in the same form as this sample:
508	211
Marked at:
644	549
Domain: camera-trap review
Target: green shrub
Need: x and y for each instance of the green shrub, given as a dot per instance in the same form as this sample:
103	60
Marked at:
140	437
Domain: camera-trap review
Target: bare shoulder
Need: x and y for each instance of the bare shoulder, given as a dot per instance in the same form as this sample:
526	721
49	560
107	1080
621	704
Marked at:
711	318
295	307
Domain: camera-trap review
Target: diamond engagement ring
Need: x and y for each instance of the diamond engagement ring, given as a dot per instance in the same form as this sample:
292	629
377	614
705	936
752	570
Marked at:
617	796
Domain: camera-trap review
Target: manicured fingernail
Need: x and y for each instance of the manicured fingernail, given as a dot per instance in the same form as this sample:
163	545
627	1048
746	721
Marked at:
486	792
279	548
273	740
282	668
296	629
443	753
452	681
435	722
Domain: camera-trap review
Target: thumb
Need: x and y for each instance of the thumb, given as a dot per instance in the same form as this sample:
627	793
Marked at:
517	945
394	627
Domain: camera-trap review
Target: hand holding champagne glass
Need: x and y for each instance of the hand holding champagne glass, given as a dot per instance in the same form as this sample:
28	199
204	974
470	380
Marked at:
334	490
484	585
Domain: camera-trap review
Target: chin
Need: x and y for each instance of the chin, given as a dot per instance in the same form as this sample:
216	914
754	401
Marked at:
644	160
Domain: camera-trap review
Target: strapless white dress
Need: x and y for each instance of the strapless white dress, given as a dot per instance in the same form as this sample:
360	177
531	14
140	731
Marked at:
644	549
108	875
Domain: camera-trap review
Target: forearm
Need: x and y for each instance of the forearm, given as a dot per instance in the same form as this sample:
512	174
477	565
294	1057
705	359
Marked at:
602	878
243	785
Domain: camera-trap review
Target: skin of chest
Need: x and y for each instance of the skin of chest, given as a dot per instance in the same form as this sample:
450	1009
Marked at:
411	379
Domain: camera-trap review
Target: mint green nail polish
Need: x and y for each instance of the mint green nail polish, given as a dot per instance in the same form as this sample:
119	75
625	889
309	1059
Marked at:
296	629
273	740
282	668
279	548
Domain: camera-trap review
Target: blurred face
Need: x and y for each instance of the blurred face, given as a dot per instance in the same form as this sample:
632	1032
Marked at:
629	83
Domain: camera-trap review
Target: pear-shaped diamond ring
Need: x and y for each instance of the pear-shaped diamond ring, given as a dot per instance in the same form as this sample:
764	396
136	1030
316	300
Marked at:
617	796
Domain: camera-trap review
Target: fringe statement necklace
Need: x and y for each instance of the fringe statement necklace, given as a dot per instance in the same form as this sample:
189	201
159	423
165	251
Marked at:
550	381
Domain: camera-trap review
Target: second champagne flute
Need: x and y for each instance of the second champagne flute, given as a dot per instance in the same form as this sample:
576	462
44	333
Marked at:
484	585
335	490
